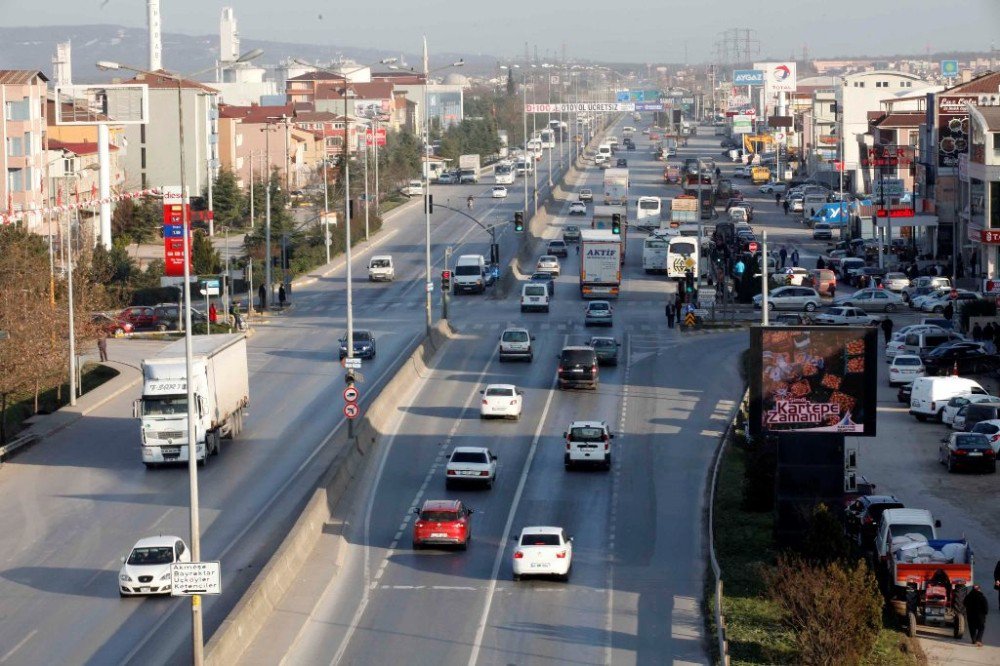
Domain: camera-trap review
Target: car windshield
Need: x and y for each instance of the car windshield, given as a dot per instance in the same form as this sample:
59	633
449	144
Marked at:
165	405
986	428
682	248
598	307
576	356
515	336
907	360
972	440
469	457
586	434
468	269
535	291
547	277
380	263
539	539
439	516
573	228
603	343
559	244
151	556
360	336
500	391
646	204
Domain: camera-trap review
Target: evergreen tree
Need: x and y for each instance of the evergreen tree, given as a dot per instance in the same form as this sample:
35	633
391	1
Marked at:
228	201
204	256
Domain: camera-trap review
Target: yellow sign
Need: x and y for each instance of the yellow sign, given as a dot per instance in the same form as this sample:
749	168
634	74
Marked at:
689	263
689	320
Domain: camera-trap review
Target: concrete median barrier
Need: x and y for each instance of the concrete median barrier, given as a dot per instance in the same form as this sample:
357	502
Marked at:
253	610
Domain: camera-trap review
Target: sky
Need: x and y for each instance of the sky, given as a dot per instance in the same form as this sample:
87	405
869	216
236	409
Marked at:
648	31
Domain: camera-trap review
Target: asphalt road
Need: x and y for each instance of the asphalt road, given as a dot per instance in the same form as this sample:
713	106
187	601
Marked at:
77	502
636	587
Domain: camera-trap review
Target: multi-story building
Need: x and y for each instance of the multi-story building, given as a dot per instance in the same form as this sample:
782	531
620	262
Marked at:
23	135
153	155
980	187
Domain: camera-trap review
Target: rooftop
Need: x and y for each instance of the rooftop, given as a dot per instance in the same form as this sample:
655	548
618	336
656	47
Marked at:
20	76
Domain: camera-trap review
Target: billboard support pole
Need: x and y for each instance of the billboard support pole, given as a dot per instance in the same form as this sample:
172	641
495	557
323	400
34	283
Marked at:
763	281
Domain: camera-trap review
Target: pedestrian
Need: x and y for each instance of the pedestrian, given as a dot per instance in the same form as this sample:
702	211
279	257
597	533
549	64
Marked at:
949	311
996	578
976	610
785	206
887	329
833	289
820	264
777	198
670	322
678	306
783	255
281	296
795	258
262	295
102	347
213	314
977	332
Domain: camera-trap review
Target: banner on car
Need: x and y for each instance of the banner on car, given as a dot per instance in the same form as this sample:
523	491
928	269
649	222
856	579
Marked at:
813	379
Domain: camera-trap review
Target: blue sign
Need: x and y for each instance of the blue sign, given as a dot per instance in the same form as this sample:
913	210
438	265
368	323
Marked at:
648	106
173	231
949	68
748	77
621	96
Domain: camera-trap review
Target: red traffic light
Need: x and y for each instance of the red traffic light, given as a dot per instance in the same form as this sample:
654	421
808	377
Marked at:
445	275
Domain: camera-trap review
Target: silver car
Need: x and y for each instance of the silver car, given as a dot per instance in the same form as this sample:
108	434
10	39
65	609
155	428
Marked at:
871	300
790	298
845	316
896	282
598	313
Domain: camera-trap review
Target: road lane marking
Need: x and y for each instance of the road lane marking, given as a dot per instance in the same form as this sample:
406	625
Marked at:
502	548
609	621
17	647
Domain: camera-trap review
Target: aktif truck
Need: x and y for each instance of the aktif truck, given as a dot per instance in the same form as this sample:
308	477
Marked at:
221	395
468	169
615	187
600	263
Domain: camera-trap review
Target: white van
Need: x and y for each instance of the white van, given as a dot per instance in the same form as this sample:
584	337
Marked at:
921	342
605	150
930	394
470	274
588	442
380	268
534	296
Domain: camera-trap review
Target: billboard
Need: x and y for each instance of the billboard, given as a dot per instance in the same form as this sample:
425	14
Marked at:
748	77
372	108
949	68
953	128
813	379
574	107
742	124
778	76
173	232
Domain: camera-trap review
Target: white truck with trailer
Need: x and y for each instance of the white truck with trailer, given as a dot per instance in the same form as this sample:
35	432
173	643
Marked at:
221	385
468	169
600	263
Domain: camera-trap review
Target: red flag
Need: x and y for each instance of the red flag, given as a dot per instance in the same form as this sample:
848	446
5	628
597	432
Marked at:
93	191
59	198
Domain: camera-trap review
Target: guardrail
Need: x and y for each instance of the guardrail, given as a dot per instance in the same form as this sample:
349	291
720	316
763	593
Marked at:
720	618
22	440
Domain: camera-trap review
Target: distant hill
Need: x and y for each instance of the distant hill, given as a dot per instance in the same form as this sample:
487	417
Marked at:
34	48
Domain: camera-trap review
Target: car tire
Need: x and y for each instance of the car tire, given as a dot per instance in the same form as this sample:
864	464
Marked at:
810	307
417	545
890	308
949	465
531	357
921	417
118	332
464	545
516	577
502	358
938	309
992	469
161	328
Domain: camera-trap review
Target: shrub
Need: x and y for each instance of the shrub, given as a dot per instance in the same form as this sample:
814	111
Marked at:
834	610
825	541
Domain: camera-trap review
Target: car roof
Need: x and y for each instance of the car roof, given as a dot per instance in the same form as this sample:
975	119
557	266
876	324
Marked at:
602	337
577	348
511	329
506	386
588	424
880	499
557	241
541	529
906	516
162	540
597	302
470	449
381	256
431	505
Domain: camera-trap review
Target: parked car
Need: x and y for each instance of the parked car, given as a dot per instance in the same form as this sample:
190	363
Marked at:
111	325
796	276
823	280
895	282
862	517
822	231
970	358
958	402
871	300
934	281
168	314
976	412
442	522
143	318
845	316
790	298
957	297
606	349
447	178
772	188
966	449
904	368
990	428
869	276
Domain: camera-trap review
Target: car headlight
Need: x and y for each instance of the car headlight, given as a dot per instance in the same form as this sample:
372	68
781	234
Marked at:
165	576
124	578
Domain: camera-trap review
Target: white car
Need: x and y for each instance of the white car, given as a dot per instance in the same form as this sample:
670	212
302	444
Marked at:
742	171
953	406
991	429
499	192
578	208
790	276
588	443
547	264
500	400
939	304
905	368
896	281
771	188
472	464
543	551
380	268
790	298
898	340
845	316
146	569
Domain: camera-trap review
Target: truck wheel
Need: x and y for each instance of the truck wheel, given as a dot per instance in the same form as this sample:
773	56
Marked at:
959	625
911	624
921	417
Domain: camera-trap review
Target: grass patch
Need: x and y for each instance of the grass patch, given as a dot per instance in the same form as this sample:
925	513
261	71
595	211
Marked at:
50	399
745	548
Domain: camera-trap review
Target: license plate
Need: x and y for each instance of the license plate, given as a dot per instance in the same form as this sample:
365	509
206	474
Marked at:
977	454
170	450
145	589
469	473
439	535
577	370
539	565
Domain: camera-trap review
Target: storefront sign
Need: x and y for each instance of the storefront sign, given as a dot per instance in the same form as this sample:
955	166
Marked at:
953	128
989	236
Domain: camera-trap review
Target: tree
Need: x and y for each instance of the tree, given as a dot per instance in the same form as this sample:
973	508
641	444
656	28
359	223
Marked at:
229	203
204	256
137	220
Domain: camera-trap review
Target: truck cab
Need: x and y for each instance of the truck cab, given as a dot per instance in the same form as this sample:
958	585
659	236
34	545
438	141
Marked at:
897	523
470	274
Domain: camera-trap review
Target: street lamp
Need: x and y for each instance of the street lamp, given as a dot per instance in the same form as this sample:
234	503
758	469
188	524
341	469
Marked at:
69	297
197	635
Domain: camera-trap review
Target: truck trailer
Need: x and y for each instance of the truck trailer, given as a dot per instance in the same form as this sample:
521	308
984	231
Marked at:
221	395
600	263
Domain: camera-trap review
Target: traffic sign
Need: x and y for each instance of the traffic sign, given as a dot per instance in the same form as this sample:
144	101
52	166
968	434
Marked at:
752	246
689	320
351	363
350	394
190	578
351	410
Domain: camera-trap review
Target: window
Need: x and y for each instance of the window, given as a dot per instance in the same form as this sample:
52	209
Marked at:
833	107
27	143
15	146
996	142
20	110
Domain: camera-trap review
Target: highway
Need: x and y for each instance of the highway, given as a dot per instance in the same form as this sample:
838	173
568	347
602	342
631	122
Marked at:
636	587
78	501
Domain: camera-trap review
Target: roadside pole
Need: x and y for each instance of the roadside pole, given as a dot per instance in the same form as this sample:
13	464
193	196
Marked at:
763	281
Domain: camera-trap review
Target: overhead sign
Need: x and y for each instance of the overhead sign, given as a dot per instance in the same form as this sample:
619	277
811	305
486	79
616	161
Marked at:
576	107
190	578
991	237
748	77
649	106
211	286
949	68
888	187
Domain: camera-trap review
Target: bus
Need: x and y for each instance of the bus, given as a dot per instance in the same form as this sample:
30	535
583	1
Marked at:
648	212
654	254
503	174
682	256
547	138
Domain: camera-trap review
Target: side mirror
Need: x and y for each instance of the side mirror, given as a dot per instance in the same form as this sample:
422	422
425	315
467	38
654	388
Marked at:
123	559
532	337
611	436
513	537
570	539
565	434
493	457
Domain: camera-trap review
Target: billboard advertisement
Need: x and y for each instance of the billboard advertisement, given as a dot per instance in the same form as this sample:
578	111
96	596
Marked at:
748	77
376	137
742	124
372	108
778	76
953	128
813	379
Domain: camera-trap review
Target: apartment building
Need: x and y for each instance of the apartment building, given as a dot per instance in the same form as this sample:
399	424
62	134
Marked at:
23	135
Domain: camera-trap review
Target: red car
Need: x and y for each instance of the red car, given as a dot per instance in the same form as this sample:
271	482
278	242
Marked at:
115	327
442	522
142	317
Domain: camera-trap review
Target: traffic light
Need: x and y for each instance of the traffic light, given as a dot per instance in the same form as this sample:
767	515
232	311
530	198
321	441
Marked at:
349	377
445	280
689	281
429	203
616	223
518	222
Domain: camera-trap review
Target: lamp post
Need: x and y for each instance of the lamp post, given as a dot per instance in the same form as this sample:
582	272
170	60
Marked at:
197	635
